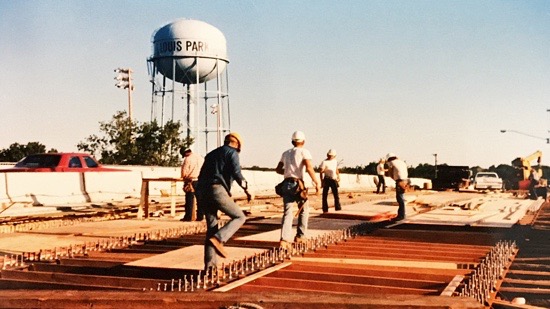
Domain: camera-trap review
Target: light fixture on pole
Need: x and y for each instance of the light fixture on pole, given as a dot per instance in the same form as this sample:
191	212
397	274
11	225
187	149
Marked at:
124	79
526	134
216	110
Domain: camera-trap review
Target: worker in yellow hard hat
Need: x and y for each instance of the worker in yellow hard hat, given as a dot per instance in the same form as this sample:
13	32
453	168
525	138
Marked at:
220	168
236	138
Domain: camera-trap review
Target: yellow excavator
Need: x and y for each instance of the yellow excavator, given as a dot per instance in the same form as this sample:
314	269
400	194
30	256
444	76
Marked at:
524	163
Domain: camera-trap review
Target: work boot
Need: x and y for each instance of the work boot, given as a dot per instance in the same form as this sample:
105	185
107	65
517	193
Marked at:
300	239
218	246
285	245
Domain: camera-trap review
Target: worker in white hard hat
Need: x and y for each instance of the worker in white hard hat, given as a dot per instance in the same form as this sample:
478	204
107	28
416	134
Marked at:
330	177
220	168
294	163
398	172
381	173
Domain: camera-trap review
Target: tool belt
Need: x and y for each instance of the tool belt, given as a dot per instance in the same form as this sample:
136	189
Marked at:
299	191
188	187
402	184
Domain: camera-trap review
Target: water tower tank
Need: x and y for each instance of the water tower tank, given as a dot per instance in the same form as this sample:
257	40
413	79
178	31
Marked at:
194	48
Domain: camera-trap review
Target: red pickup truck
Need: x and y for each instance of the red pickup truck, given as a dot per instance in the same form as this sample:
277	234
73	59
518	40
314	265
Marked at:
59	162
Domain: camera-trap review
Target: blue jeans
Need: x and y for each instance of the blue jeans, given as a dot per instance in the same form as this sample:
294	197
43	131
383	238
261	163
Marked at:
381	184
190	205
400	197
288	217
332	184
210	200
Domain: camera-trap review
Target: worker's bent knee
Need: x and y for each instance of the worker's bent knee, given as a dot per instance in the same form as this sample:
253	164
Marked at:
241	218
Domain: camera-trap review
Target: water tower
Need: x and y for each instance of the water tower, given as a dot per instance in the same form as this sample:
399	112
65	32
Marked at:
187	70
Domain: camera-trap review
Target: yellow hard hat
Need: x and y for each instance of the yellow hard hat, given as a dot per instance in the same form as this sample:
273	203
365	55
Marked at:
237	137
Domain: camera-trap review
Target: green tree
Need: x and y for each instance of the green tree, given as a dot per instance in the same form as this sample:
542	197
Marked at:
158	145
128	142
360	169
16	151
422	171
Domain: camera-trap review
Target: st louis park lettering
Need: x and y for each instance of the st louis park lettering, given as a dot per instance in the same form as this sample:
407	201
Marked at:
177	46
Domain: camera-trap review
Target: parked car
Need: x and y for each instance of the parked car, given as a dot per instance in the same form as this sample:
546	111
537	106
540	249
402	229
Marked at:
59	162
487	181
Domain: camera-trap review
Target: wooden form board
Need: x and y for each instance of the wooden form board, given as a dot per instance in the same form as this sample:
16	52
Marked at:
374	262
192	257
275	235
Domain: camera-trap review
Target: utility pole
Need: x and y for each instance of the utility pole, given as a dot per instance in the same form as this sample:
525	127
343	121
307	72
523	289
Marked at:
124	79
435	156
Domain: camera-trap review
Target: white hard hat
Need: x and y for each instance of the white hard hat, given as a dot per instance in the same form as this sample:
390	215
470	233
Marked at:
331	152
298	136
390	155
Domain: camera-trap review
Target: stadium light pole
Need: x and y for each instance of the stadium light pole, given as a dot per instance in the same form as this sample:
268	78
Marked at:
124	79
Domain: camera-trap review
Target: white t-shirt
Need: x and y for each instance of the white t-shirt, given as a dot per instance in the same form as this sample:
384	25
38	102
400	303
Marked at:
293	162
329	168
380	169
399	169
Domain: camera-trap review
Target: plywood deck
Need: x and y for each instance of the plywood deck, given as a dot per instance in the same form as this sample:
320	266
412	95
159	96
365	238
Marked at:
191	258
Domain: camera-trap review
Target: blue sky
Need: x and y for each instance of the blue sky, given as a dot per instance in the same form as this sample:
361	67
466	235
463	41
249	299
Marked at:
364	77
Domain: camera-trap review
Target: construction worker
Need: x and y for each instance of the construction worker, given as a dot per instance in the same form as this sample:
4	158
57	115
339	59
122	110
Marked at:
330	177
190	169
533	183
221	166
293	165
381	172
398	172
